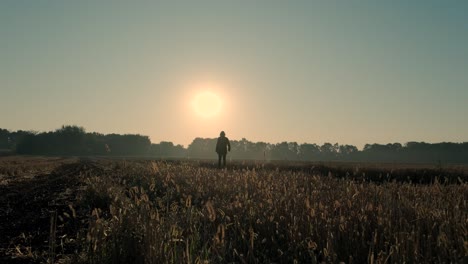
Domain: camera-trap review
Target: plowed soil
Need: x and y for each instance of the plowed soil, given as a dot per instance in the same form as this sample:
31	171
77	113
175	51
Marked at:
34	192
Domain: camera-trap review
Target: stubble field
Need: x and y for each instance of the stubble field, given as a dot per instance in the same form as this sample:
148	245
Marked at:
70	210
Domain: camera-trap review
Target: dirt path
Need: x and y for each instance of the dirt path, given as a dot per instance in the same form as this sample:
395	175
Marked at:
26	208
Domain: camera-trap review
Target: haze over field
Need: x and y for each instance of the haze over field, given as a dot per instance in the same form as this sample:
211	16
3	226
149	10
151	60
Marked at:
305	71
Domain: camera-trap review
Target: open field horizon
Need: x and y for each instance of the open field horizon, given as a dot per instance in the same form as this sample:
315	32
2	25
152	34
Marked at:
205	132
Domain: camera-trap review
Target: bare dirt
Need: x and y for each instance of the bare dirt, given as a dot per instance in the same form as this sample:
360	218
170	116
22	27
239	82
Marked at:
34	190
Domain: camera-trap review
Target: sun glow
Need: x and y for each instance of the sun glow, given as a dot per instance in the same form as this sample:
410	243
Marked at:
207	104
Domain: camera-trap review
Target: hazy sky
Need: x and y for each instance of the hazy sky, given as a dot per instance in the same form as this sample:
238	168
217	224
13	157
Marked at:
352	72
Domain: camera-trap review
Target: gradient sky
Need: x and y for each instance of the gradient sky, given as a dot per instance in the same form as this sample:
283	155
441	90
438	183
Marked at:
351	72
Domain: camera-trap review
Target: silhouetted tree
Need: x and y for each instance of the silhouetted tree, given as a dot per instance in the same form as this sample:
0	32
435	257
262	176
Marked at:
4	139
167	149
74	140
285	151
309	152
202	148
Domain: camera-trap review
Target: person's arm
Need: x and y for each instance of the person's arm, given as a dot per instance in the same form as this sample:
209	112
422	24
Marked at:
229	144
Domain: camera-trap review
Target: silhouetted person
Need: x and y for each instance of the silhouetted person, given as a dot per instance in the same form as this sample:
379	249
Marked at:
222	148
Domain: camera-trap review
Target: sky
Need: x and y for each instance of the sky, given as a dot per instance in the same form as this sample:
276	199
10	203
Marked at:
352	72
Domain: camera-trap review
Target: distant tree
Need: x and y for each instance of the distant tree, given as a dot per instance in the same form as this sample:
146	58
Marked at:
128	144
4	139
260	151
68	140
202	148
329	151
74	140
166	149
347	152
309	151
285	151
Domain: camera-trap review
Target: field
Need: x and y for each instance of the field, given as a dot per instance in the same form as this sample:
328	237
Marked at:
77	210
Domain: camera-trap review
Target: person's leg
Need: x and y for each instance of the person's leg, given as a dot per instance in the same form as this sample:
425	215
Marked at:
219	160
224	160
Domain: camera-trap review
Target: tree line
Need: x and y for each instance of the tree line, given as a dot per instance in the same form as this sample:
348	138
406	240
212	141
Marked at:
74	140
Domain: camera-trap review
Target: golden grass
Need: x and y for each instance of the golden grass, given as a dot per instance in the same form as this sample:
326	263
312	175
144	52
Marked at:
148	212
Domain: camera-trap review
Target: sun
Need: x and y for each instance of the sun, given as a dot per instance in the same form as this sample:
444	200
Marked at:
207	104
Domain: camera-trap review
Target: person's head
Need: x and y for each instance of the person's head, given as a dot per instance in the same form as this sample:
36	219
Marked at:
222	134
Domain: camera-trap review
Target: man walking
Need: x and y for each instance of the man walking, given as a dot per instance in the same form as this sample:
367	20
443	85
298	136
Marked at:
222	147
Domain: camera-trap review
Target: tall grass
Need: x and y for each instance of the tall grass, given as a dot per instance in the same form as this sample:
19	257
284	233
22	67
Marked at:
166	213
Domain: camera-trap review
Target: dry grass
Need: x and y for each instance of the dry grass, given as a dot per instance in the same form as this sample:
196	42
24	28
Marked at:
147	212
111	211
